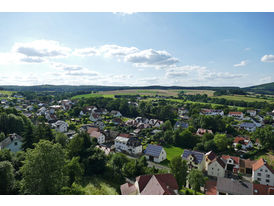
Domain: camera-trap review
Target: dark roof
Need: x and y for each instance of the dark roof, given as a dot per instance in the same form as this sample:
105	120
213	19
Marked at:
247	124
234	187
198	155
159	184
259	189
210	187
153	150
211	155
220	161
134	142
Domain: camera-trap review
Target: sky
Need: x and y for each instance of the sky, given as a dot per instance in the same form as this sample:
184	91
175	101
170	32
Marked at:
137	49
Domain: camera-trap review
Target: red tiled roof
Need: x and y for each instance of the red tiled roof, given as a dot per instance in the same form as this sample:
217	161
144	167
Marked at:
238	139
236	159
211	187
259	189
91	129
236	113
259	164
95	134
124	135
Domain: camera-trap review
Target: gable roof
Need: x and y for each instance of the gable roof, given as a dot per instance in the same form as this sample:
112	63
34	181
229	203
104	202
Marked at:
159	184
234	187
199	156
259	164
235	159
9	140
246	163
220	162
92	129
134	142
235	113
127	189
95	134
124	135
153	150
211	155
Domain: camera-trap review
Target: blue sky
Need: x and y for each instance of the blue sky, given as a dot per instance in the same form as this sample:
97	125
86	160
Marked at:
185	49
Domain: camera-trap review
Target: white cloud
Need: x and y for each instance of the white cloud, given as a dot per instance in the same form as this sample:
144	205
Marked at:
40	50
111	50
241	64
124	13
74	70
268	58
266	79
151	58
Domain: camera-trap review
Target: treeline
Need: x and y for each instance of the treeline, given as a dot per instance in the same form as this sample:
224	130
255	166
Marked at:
229	92
161	110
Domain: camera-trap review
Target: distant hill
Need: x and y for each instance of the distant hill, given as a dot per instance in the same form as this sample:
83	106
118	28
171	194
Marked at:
262	89
70	88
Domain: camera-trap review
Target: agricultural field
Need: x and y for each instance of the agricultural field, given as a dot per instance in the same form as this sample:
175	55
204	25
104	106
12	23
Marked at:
148	92
5	94
244	98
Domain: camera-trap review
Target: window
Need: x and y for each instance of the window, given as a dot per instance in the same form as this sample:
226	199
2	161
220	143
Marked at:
259	179
15	143
268	176
259	174
265	170
261	170
267	180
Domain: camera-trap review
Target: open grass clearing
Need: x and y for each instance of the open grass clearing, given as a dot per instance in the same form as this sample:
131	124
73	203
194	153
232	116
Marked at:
244	98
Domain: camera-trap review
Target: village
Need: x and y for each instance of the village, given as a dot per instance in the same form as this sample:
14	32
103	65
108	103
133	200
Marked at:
114	132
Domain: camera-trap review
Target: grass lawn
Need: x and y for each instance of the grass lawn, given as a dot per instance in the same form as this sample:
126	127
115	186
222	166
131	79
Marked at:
269	157
171	152
98	186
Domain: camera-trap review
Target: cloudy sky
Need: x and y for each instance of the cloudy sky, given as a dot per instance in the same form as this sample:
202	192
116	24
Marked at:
185	49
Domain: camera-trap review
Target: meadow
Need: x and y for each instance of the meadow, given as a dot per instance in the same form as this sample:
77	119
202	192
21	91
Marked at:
245	98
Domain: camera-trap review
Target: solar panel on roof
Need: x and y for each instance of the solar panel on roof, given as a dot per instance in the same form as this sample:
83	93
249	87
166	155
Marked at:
198	155
153	150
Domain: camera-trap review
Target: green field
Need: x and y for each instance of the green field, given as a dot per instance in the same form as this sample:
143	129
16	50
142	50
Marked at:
244	98
148	92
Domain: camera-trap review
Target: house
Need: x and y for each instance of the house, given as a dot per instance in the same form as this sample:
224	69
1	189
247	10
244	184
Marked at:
248	126
182	111
91	129
216	168
158	184
200	132
252	113
134	146
142	120
98	135
259	189
155	123
89	109
130	145
262	173
54	108
137	131
226	186
94	117
182	125
13	143
100	111
155	153
244	142
115	113
232	163
110	135
100	124
212	112
246	166
60	126
209	157
238	115
66	104
117	121
105	149
29	108
42	110
194	159
258	143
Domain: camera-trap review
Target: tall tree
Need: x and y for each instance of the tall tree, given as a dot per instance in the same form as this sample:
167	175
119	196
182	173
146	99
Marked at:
196	179
221	141
179	170
6	178
43	171
28	137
